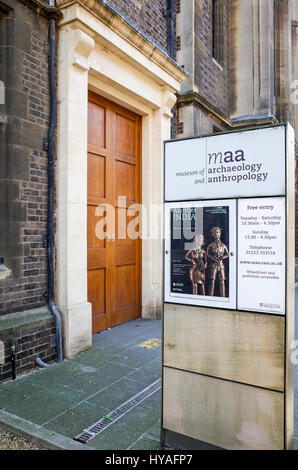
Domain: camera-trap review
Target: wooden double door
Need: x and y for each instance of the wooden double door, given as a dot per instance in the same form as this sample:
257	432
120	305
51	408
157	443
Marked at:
114	169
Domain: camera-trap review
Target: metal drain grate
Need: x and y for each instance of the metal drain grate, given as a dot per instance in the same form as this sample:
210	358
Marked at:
116	414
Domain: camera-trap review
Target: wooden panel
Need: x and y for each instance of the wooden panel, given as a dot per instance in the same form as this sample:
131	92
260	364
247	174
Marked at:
124	314
125	180
96	125
244	347
127	275
96	258
126	255
99	323
99	190
125	282
94	235
96	175
114	169
125	135
121	157
127	226
226	414
96	290
96	150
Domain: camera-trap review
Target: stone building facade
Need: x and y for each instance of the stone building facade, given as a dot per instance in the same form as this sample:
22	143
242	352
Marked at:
95	43
24	123
221	65
256	82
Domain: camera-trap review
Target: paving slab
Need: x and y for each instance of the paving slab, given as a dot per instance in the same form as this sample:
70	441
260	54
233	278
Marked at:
7	399
59	402
92	380
154	431
147	374
94	357
45	405
145	443
154	401
23	387
136	356
116	394
73	421
124	432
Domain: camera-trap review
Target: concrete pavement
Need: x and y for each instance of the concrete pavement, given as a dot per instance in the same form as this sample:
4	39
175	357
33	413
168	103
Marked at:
58	403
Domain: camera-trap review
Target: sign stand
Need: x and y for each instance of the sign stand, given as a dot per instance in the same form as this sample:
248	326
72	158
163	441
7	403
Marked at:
228	324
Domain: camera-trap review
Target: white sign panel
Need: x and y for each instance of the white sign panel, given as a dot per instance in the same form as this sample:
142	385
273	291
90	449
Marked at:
200	253
261	255
241	164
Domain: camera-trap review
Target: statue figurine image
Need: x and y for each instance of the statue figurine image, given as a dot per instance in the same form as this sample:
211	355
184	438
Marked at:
197	256
216	252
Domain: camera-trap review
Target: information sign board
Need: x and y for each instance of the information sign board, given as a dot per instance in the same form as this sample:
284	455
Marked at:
261	254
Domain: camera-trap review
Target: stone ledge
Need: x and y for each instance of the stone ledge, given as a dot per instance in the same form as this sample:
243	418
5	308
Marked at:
192	97
14	321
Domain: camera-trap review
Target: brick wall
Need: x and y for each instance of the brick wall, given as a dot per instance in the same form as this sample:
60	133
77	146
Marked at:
32	341
148	16
212	80
23	170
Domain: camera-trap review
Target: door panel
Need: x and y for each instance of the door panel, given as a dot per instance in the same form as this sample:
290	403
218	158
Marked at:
96	175
96	121
125	135
125	289
114	263
96	295
125	180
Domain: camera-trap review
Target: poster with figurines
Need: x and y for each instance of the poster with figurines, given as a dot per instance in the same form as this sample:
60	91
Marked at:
200	253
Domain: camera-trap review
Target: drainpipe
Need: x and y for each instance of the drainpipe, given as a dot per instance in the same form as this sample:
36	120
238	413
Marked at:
51	186
170	15
40	362
51	191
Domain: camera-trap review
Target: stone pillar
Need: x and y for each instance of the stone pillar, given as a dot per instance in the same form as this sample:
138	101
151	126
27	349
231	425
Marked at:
252	58
75	48
156	129
185	33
